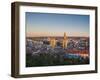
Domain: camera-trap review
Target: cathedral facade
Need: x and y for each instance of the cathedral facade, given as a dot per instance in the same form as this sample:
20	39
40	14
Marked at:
64	41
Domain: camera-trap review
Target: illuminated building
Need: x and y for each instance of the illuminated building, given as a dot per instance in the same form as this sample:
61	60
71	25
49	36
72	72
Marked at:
64	42
53	41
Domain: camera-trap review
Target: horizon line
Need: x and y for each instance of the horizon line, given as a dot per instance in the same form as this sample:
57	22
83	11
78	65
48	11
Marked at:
57	36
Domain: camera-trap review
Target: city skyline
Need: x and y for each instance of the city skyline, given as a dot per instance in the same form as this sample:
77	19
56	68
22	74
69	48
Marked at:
50	24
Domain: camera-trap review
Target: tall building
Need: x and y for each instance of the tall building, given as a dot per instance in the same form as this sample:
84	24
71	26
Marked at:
65	41
52	42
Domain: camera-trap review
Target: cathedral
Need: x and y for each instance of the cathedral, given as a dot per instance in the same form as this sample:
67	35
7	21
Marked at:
64	41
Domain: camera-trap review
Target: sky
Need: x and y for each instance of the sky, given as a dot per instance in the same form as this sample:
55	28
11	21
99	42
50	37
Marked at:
51	24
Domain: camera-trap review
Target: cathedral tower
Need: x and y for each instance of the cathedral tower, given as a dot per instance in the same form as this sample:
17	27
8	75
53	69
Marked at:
64	43
52	42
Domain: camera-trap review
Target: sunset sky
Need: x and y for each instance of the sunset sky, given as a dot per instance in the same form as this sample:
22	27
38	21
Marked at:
50	24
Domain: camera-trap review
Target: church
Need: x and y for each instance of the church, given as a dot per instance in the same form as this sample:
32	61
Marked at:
64	41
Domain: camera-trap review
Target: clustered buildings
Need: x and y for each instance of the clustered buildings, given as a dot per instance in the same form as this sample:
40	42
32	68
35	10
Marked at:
55	44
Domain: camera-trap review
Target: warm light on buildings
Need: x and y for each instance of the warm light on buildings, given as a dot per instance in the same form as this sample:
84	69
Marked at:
53	41
64	43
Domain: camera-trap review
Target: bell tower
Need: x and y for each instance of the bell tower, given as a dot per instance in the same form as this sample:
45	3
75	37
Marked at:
52	42
64	41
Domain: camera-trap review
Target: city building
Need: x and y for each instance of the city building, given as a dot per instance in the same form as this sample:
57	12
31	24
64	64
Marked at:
53	41
65	41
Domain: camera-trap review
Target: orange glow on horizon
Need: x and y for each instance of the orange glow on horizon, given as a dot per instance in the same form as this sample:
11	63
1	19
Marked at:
43	34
